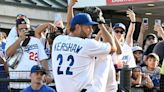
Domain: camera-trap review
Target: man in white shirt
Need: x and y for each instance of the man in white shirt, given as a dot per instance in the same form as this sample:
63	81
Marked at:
32	52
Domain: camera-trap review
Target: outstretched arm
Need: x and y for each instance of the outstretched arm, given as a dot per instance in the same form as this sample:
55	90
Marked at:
129	37
141	34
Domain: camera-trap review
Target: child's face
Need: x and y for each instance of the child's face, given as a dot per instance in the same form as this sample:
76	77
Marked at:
138	55
136	72
152	63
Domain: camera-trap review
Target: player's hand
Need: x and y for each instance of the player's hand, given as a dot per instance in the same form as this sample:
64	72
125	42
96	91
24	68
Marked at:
144	28
131	15
110	29
73	2
100	18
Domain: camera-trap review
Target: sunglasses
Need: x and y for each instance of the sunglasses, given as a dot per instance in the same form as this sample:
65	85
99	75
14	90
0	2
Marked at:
121	32
150	38
23	30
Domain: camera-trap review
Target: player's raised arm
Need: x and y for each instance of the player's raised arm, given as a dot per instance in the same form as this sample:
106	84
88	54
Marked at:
108	37
70	14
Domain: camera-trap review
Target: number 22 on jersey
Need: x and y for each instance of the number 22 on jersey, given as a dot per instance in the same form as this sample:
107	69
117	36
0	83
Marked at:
33	56
70	59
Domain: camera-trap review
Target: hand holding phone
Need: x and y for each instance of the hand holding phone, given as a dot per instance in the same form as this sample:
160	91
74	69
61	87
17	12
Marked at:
157	22
145	21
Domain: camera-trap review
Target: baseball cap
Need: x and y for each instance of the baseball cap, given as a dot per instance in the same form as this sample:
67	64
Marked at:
162	25
137	48
151	35
119	25
82	18
22	19
38	68
153	55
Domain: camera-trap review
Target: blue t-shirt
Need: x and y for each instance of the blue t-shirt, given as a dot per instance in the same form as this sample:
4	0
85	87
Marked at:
44	88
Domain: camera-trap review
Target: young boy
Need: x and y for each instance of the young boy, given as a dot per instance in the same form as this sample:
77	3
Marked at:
152	69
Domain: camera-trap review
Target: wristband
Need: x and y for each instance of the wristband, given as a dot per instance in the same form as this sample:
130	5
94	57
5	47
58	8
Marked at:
133	22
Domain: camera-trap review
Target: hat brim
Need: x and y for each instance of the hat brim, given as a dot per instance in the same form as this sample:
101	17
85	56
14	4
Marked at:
91	23
138	50
43	71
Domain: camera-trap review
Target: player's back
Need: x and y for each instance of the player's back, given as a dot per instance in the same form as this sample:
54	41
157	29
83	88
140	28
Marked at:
72	63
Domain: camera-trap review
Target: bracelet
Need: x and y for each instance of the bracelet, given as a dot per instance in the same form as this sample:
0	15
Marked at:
133	22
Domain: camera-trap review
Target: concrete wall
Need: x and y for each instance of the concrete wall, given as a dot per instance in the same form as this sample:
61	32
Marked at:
37	16
86	3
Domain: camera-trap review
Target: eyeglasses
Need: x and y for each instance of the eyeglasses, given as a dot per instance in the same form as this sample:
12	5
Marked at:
121	32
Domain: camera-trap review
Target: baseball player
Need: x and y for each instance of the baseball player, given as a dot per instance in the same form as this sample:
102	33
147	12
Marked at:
103	64
104	74
73	55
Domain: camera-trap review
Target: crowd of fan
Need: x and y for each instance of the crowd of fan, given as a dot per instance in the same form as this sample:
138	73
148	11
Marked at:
146	60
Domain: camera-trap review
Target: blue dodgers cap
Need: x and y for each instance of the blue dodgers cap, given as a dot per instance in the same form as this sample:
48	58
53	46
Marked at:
82	18
37	68
119	25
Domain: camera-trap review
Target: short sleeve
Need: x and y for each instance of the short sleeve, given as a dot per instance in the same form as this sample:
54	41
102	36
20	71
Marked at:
11	38
9	42
42	54
96	48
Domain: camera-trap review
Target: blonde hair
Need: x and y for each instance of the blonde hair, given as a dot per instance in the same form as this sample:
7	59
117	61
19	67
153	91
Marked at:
2	35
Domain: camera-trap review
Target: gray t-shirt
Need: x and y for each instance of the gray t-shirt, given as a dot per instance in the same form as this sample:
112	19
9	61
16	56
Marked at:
154	75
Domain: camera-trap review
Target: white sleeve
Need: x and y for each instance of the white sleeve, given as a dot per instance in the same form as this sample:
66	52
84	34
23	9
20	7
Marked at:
42	54
11	38
9	42
95	48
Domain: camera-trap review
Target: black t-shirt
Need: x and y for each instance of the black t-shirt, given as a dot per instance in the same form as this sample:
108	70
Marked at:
149	49
159	50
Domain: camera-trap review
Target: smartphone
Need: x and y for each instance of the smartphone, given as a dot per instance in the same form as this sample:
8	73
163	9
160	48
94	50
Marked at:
108	21
130	7
157	22
145	21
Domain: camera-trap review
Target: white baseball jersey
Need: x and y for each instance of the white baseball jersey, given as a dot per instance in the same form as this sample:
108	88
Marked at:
32	54
73	61
101	71
112	85
104	79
